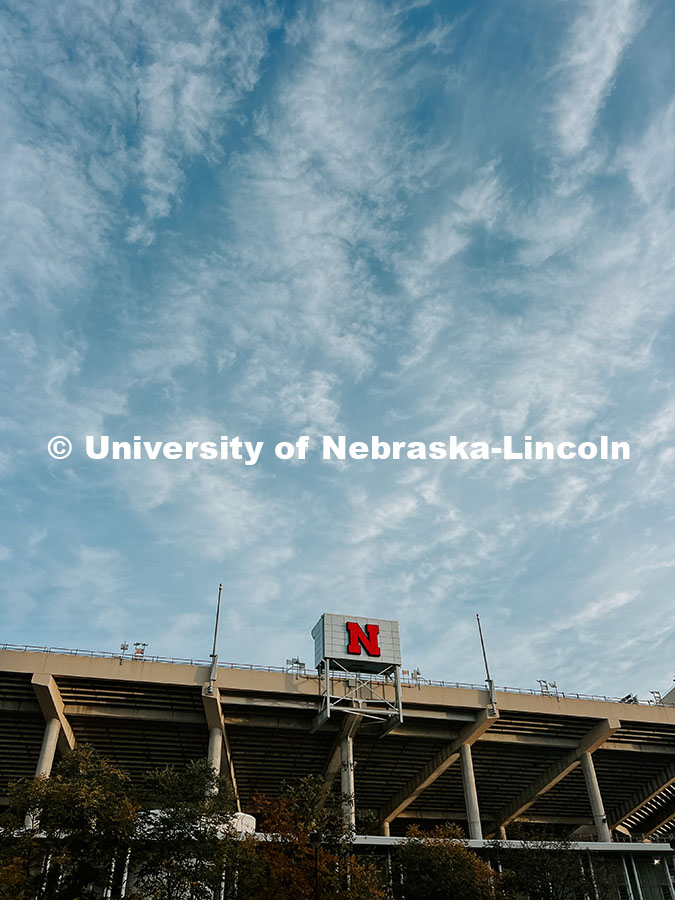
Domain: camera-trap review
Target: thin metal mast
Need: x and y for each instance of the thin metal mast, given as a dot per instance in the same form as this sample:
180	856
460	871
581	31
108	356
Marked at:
490	683
214	654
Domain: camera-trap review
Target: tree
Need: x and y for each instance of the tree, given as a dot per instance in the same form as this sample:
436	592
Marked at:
66	833
438	865
186	847
555	870
289	865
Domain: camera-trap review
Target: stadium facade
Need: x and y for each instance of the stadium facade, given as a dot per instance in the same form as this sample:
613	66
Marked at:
596	770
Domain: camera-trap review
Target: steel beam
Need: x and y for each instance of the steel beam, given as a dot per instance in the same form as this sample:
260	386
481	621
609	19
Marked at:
595	738
439	764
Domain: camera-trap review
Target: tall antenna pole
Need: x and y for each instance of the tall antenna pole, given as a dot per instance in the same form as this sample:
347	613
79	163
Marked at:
482	644
214	654
490	683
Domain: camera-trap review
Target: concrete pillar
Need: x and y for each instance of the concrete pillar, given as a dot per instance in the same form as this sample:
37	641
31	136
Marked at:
48	750
599	817
470	795
215	748
347	783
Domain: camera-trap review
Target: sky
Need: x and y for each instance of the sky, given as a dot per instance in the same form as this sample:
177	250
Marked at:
410	220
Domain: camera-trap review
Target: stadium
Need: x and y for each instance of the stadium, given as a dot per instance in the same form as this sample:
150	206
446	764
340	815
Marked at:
596	770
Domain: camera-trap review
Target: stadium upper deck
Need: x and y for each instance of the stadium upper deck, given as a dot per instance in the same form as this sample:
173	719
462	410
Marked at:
564	761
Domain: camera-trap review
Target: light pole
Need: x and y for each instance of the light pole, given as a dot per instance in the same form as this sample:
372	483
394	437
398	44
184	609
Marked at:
316	840
214	653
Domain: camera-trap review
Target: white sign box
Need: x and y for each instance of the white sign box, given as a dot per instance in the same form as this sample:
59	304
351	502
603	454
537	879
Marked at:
358	643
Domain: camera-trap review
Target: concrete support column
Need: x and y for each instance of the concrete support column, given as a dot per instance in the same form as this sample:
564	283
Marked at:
347	782
470	795
215	748
48	750
594	796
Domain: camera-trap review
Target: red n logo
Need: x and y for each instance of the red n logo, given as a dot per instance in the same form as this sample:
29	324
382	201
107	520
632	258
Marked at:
358	638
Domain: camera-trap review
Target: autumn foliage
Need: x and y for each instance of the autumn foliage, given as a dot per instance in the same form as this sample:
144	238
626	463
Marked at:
292	865
87	833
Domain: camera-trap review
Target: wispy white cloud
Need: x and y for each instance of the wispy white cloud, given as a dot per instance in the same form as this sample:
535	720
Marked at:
201	63
587	68
651	161
214	226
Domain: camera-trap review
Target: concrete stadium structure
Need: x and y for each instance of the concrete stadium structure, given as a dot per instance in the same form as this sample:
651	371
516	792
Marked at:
598	769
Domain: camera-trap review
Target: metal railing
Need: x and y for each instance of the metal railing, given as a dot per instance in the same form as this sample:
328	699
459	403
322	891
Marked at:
406	680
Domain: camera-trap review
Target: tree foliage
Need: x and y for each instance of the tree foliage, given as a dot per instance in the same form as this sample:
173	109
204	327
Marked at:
70	837
79	821
185	845
555	870
289	867
438	865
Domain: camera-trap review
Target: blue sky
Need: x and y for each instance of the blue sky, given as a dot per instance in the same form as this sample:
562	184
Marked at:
404	219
